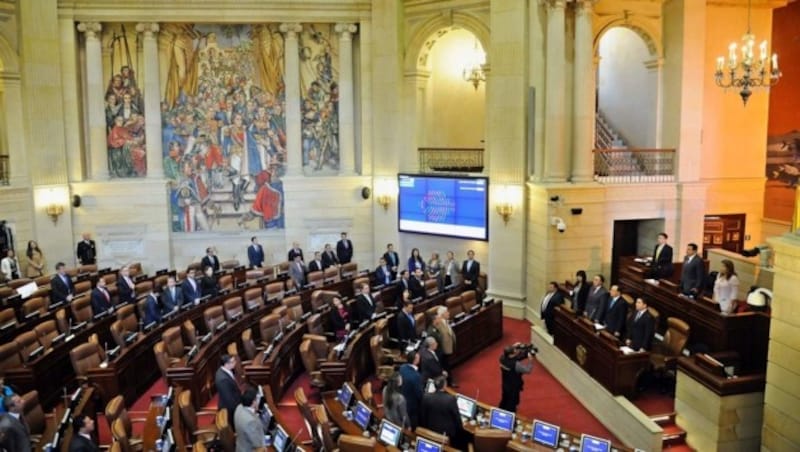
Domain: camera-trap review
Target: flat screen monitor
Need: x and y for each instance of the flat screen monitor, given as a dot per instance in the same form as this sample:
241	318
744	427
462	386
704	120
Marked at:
444	205
501	419
594	444
362	415
266	417
281	439
345	395
426	445
169	442
545	433
390	434
466	406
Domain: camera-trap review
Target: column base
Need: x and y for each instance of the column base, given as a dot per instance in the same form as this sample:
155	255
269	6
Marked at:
583	179
554	179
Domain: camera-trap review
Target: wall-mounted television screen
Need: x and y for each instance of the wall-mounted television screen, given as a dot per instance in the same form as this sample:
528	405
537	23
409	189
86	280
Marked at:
444	205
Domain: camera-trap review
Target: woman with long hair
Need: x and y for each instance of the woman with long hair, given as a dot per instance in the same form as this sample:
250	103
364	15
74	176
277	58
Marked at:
394	404
35	267
579	292
726	287
415	261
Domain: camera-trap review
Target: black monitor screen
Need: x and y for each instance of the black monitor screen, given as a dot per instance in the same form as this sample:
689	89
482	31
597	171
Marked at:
593	444
345	395
466	406
545	433
362	415
426	445
281	439
501	419
390	434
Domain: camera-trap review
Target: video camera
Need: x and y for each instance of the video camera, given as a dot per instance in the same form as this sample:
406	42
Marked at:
523	350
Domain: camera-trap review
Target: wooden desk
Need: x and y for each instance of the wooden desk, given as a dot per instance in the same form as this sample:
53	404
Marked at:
282	366
477	331
599	357
54	424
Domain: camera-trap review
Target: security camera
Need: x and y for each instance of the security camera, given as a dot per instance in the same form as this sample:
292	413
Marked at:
559	223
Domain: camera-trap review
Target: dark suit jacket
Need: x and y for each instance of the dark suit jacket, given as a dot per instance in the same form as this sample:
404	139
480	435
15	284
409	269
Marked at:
169	302
255	254
429	366
212	262
662	267
329	259
209	286
405	328
87	252
152	312
124	292
439	413
416	288
344	253
392	259
364	309
693	275
549	313
315	266
228	390
189	293
412	390
99	301
615	316
292	253
81	444
412	264
640	332
579	298
13	435
596	303
59	290
471	274
381	275
337	322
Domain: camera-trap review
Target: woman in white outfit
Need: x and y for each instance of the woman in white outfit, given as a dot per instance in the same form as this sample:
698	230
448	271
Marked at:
726	287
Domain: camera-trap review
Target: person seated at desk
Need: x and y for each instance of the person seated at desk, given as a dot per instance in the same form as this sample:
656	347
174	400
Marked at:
172	296
439	413
726	287
208	284
329	258
190	288
640	328
616	312
394	403
406	324
415	261
383	274
126	289
662	267
61	287
248	426
416	285
579	292
340	318
411	386
152	310
316	264
365	305
430	365
101	299
596	299
82	429
14	433
693	274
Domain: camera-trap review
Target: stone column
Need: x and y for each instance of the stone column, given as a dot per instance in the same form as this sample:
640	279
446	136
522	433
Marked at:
657	65
152	104
98	150
555	91
584	96
347	137
291	79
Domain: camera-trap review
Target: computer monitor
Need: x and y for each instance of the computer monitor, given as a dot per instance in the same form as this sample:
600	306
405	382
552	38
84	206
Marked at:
501	419
362	415
466	406
594	444
390	434
345	395
169	442
426	445
544	433
281	439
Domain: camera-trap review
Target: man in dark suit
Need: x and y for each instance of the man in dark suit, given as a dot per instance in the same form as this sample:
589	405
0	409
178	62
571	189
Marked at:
429	364
365	304
101	299
640	328
190	287
227	388
383	274
392	259
693	274
82	428
596	300
439	413
172	296
405	284
61	288
344	249
551	299
329	258
87	252
210	259
295	251
412	386
616	312
406	324
14	433
470	270
126	289
316	264
662	258
255	253
152	311
416	286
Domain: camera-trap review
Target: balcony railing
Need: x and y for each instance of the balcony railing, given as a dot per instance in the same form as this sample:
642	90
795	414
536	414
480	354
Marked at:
4	170
628	166
459	160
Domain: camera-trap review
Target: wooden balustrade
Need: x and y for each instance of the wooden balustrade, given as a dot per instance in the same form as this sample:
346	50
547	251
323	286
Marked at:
461	160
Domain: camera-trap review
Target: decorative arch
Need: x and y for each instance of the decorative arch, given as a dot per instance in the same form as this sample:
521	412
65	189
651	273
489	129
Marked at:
643	30
424	38
9	60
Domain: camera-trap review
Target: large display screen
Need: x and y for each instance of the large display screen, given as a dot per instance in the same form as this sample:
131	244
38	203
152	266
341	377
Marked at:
441	205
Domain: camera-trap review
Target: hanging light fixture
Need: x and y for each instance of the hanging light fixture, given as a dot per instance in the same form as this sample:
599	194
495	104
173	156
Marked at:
473	70
748	72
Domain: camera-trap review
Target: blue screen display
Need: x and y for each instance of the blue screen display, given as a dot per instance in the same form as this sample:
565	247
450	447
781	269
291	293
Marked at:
545	433
424	445
281	438
389	433
345	395
593	444
451	206
501	419
362	415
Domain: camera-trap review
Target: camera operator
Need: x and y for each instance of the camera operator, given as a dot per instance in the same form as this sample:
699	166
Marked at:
516	360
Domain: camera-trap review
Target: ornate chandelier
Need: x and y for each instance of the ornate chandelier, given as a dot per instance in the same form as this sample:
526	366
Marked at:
748	72
473	71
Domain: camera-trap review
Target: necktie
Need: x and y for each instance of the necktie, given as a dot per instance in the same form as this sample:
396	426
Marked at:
469	265
411	319
638	316
172	293
105	293
613	301
369	299
658	252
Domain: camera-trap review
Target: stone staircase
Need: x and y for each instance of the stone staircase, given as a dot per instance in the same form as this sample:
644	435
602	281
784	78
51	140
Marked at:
674	439
606	137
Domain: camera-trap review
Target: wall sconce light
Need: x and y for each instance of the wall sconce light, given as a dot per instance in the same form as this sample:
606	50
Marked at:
385	190
507	198
54	210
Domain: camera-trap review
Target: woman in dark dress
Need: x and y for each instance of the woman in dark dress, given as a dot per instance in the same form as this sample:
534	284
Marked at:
579	292
208	283
340	318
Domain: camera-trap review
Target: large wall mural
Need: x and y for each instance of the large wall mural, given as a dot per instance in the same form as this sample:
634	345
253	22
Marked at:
319	88
124	104
224	128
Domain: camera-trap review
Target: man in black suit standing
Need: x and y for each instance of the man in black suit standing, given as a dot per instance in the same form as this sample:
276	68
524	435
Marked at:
210	259
190	287
383	274
412	386
439	413
14	433
365	304
551	299
295	251
82	428
416	286
392	259
126	289
693	274
255	253
227	387
662	259
101	299
172	297
329	258
616	312
470	270
429	364
316	264
87	251
405	284
640	328
344	249
596	300
61	288
406	324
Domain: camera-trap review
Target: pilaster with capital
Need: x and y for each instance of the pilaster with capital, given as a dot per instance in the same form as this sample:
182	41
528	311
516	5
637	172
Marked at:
584	94
98	150
291	75
347	137
152	104
555	85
